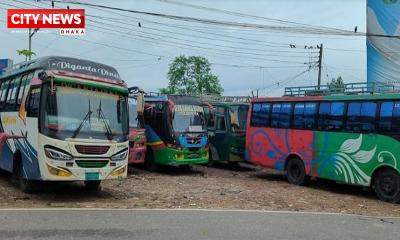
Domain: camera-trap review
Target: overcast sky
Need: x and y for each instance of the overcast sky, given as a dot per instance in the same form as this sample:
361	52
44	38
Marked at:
150	48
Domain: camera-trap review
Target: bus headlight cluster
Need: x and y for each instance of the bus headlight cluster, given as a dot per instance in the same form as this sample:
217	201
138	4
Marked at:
56	154
121	155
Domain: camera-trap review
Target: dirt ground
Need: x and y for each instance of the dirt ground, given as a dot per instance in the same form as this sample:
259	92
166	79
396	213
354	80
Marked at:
220	187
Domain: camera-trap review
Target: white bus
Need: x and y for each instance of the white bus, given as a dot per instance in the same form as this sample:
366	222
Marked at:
63	119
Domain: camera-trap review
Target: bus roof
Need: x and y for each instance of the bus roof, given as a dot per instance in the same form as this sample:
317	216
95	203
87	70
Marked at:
327	98
155	98
66	64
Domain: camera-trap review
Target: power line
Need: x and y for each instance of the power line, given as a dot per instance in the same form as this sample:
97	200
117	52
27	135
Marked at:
322	31
190	46
286	22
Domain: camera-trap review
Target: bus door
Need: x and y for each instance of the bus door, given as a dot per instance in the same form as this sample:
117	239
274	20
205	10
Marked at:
218	136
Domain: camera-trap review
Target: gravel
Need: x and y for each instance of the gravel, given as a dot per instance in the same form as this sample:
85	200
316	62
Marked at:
220	187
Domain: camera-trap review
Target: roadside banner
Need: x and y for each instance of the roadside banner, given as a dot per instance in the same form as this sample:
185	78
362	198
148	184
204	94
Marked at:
383	42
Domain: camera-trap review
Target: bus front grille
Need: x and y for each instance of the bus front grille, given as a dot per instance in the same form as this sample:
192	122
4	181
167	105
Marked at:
92	150
91	163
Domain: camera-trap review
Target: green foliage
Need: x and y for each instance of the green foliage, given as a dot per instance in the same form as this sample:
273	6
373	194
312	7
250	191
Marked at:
25	52
336	84
191	75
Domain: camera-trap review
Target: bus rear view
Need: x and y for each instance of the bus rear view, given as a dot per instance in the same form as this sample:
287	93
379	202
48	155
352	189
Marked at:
69	122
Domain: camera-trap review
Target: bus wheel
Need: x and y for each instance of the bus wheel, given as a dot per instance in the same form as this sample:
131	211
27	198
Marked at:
26	185
296	173
185	168
149	163
93	185
211	161
233	164
387	185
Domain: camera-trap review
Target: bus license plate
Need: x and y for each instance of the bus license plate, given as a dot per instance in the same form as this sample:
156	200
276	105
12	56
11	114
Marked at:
92	176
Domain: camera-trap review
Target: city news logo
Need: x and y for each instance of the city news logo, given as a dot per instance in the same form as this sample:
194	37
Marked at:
68	21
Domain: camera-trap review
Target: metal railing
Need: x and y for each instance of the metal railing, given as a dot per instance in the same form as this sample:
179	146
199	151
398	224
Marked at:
346	89
225	99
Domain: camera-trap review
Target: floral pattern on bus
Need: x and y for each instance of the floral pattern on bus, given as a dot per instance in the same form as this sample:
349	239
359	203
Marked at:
270	147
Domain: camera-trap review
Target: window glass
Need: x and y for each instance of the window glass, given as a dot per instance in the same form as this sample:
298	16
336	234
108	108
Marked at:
396	117
276	108
367	116
309	115
298	119
4	88
323	118
10	101
386	113
260	114
33	103
24	83
336	115
220	120
284	119
361	116
353	114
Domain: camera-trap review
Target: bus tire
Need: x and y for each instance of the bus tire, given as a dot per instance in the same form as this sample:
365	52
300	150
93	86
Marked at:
185	167
149	162
387	185
233	164
93	185
211	161
296	173
26	185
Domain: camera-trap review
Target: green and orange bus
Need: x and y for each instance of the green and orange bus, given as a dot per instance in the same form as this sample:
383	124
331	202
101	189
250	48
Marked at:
351	139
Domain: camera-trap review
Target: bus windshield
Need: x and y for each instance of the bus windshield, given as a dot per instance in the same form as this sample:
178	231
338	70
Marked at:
188	119
83	113
238	115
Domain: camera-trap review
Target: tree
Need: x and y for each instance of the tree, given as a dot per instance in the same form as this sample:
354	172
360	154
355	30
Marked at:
336	84
26	52
191	75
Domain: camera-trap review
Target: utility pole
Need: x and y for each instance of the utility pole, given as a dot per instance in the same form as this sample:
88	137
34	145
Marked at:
321	48
30	39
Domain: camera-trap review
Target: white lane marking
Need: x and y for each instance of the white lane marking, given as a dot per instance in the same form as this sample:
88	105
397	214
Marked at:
198	210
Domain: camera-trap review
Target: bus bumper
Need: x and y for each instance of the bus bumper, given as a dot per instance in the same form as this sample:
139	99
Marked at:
137	155
57	173
175	157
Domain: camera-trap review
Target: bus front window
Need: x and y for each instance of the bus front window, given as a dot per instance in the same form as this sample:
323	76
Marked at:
238	115
133	114
83	113
188	119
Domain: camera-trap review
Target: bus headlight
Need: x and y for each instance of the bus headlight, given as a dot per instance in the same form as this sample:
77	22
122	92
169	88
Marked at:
121	155
61	172
56	154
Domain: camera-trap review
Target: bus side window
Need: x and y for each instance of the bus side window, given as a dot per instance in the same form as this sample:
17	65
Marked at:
324	111
260	115
255	112
367	116
396	118
24	83
385	118
336	115
220	123
284	118
309	115
298	119
4	89
10	101
353	114
32	109
276	108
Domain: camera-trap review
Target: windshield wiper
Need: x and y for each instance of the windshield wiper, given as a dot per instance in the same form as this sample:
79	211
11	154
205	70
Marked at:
87	116
109	132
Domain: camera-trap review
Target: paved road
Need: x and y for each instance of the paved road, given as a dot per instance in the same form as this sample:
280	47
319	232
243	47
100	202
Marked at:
190	225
